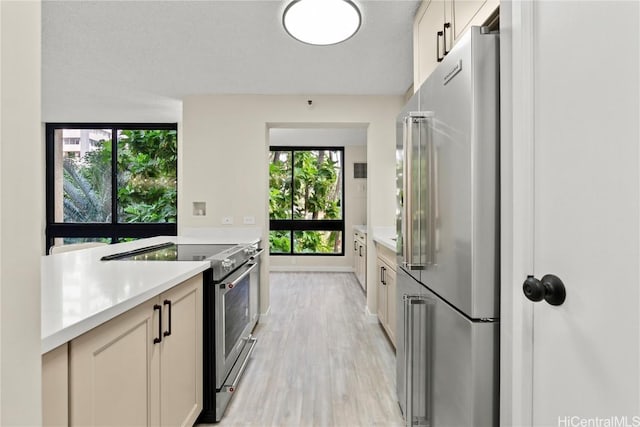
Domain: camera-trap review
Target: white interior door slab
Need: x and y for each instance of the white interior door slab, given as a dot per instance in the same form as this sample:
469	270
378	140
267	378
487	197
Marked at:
586	352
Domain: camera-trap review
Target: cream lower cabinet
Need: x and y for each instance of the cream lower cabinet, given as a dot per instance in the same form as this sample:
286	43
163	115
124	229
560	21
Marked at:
181	357
55	386
386	290
360	258
143	367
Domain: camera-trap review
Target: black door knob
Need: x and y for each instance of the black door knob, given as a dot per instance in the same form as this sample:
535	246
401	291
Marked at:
550	288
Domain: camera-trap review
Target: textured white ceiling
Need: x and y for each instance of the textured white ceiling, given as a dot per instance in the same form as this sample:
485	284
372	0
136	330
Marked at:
102	58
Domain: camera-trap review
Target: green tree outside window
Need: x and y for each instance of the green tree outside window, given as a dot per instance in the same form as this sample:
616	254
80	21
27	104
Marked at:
305	185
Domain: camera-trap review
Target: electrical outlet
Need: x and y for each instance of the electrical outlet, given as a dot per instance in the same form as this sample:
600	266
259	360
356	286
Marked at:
249	220
227	220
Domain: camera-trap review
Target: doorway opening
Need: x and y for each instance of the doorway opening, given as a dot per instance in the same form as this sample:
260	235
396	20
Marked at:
317	193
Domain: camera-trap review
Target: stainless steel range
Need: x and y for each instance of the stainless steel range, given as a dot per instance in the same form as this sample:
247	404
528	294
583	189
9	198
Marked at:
230	312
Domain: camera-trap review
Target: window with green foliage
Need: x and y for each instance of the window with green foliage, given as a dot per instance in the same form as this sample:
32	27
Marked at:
110	182
306	207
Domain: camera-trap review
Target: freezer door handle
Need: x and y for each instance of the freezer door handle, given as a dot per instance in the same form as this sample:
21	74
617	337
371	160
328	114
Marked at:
416	311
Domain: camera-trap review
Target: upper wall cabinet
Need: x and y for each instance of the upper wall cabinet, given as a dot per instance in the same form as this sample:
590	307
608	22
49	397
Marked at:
437	27
428	39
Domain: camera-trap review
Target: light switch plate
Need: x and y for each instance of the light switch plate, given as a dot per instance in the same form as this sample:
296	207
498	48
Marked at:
227	220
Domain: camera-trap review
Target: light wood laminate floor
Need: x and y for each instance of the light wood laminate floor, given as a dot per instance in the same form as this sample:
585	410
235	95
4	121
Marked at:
319	360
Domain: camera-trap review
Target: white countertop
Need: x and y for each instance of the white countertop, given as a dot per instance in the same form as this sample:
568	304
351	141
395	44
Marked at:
360	228
80	292
385	236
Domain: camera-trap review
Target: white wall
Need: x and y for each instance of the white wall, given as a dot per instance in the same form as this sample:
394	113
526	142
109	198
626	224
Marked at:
21	213
223	155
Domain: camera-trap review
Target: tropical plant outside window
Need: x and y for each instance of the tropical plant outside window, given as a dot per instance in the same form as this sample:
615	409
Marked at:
306	201
110	182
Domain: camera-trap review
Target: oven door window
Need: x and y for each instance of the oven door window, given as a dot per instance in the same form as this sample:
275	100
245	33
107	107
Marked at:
236	313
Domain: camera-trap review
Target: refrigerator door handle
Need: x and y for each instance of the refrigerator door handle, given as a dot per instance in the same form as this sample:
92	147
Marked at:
431	209
408	362
407	225
409	257
415	308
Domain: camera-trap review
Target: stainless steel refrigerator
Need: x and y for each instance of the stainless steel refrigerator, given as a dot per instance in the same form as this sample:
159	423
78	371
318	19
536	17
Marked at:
448	241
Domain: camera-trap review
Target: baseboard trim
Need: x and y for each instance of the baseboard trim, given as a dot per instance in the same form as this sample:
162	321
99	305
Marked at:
262	317
371	317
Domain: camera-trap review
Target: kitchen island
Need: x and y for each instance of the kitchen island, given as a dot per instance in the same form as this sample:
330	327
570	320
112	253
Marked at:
122	340
80	292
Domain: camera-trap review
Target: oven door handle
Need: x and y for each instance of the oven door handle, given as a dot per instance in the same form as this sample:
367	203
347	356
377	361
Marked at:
237	277
250	341
256	254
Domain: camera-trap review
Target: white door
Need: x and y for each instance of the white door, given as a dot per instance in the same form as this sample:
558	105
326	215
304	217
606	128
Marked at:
585	354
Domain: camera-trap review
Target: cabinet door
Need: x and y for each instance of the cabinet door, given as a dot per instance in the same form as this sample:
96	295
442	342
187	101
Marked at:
114	371
362	252
356	261
357	265
360	260
55	387
470	12
392	318
181	357
382	292
426	43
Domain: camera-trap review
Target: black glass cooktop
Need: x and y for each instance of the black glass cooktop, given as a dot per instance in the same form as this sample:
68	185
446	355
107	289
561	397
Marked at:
170	252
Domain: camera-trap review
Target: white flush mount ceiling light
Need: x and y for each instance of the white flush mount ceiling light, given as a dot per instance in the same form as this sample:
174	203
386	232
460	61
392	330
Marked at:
321	22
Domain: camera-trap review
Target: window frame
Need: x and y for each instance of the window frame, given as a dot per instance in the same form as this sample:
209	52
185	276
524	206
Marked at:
293	225
113	230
